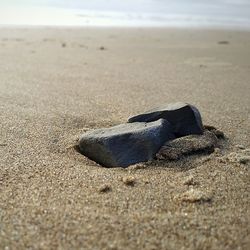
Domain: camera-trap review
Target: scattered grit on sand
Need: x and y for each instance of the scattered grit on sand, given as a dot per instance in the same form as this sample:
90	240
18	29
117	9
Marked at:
57	83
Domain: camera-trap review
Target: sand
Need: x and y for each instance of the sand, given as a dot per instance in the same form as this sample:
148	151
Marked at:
57	83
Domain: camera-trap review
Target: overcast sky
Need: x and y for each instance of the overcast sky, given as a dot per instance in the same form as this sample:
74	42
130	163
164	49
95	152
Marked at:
235	11
233	6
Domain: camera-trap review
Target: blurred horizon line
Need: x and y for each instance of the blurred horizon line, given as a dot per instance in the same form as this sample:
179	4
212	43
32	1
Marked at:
205	15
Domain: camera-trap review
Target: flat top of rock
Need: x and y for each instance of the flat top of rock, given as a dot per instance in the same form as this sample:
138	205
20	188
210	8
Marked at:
169	107
126	128
184	118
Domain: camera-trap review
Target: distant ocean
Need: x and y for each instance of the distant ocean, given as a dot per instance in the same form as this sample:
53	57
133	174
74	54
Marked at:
129	13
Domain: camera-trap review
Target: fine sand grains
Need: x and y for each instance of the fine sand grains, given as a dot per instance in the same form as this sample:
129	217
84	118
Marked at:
52	197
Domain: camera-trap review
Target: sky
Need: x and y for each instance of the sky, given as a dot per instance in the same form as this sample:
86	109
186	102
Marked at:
227	13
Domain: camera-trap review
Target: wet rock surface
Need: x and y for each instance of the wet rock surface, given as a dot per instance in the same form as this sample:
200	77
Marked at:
184	118
191	144
126	144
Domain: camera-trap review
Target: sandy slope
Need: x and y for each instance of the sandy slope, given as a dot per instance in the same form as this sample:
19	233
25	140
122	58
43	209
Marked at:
57	83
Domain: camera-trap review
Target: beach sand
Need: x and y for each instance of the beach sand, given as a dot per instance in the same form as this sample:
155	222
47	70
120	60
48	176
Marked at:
56	84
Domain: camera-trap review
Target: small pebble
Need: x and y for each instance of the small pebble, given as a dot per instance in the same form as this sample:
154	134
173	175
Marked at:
219	134
104	188
190	181
193	196
244	159
129	181
223	42
217	151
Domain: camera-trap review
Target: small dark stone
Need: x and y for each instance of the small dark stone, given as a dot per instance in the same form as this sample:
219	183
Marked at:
125	144
55	140
223	42
129	181
184	118
105	188
244	159
202	66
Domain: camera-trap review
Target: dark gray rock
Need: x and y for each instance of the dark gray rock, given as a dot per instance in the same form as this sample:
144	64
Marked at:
125	144
187	145
184	118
